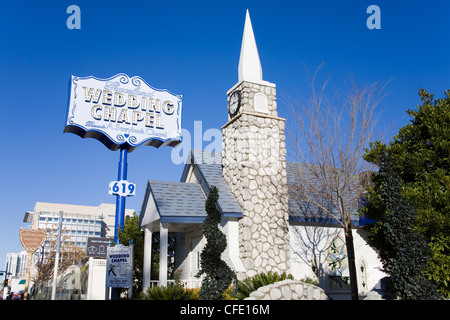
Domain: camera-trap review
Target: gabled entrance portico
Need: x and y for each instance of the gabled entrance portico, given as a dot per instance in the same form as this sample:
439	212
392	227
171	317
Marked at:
178	208
173	207
166	229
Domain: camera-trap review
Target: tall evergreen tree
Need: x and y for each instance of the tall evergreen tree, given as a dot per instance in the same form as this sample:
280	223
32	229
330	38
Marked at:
420	155
219	276
404	252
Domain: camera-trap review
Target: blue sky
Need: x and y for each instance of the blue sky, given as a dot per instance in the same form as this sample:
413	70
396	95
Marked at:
190	48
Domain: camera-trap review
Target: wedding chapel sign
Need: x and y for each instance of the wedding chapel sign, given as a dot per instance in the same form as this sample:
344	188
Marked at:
123	112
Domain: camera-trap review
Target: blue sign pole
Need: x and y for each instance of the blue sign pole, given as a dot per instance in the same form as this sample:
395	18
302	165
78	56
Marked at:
120	200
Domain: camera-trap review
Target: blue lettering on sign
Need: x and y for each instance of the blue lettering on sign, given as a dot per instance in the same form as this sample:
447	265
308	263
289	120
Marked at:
119	257
122	188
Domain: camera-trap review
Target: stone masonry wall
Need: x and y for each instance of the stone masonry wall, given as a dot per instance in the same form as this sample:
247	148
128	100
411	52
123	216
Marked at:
288	290
254	168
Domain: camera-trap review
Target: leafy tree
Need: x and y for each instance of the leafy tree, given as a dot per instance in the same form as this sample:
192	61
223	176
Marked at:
421	156
219	276
404	252
131	232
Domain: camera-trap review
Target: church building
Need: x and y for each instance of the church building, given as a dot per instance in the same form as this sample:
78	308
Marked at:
262	221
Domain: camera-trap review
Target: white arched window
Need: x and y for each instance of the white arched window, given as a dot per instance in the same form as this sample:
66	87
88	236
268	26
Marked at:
261	104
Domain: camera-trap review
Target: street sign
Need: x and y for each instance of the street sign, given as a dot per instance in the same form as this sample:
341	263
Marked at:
31	239
119	266
96	247
122	188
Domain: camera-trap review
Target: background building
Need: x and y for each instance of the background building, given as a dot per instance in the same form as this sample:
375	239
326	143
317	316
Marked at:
78	222
15	271
16	264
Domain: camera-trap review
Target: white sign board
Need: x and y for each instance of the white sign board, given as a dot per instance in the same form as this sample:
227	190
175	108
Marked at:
119	266
123	112
122	188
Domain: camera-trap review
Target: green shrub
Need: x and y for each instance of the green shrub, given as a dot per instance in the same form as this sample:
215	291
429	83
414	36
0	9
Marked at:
243	288
309	280
218	275
171	292
228	294
193	293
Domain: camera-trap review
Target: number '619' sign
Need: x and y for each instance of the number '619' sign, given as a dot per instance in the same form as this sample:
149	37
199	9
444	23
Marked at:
122	188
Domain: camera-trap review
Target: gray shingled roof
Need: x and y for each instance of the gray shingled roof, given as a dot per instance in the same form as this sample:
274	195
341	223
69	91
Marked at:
178	199
210	165
185	202
182	202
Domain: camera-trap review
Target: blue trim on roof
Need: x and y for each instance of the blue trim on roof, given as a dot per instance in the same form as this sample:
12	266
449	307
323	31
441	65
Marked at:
182	219
363	221
233	214
322	220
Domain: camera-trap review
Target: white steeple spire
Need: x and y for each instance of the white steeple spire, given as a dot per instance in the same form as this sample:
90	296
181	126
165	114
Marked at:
249	65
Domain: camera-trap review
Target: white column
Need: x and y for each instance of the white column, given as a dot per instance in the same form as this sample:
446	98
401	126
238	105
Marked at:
163	243
90	278
233	245
147	258
58	246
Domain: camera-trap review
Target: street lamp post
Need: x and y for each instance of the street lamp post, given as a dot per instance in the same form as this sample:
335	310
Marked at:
58	244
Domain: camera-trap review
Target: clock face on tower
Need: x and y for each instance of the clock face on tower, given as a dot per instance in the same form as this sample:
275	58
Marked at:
234	104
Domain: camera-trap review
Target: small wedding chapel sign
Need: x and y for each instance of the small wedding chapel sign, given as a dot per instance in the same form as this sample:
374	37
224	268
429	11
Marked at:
119	266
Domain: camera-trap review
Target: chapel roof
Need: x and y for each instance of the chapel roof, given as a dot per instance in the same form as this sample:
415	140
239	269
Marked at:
184	202
176	199
209	165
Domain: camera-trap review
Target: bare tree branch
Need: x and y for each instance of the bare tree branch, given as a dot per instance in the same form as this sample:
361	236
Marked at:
328	137
327	140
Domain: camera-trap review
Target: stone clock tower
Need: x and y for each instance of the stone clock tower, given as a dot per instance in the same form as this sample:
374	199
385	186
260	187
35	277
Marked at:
254	164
